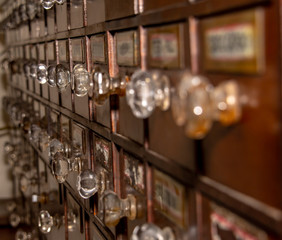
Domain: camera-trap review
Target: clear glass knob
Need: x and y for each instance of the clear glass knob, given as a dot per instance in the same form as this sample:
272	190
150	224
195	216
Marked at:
14	219
72	220
60	1
11	206
149	231
55	146
60	167
47	4
22	235
51	76
81	80
31	9
44	140
25	183
113	208
101	87
23	14
62	77
8	147
226	104
13	157
147	90
45	221
34	133
42	73
16	17
87	184
26	69
33	70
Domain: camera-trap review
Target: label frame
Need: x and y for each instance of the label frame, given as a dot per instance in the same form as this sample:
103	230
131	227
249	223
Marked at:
98	39
248	29
130	54
172	33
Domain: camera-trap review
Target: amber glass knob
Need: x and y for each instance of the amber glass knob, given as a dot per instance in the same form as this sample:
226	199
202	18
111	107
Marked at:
196	104
113	208
101	81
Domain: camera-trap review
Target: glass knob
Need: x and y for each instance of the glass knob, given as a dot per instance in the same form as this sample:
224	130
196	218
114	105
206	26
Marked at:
151	231
44	140
227	107
87	184
31	10
60	1
113	208
62	77
22	235
55	146
11	206
42	73
34	133
81	80
14	219
26	69
147	90
8	147
47	4
45	221
101	87
60	167
33	70
23	14
14	67
16	17
24	183
196	104
13	157
191	106
118	84
51	76
72	220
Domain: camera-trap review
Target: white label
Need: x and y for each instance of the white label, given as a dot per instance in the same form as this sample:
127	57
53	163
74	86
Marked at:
134	172
233	42
169	197
103	152
236	226
126	51
164	46
98	49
